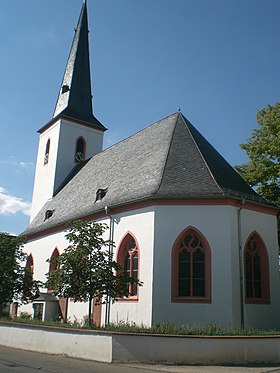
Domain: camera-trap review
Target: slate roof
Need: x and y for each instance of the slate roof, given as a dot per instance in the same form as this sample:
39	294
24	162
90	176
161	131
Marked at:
75	98
168	160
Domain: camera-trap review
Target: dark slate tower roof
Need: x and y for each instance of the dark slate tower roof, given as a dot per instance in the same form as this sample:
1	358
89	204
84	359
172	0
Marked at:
169	160
75	98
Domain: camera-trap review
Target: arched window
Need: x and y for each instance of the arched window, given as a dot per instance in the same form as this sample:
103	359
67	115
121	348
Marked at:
28	277
256	270
80	153
47	152
191	268
128	258
53	264
30	264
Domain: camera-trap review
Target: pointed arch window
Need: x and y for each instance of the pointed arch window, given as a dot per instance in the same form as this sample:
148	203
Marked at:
30	263
256	270
28	277
53	263
191	268
128	258
47	152
80	152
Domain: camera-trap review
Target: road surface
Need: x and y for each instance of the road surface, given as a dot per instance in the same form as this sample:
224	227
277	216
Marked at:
20	361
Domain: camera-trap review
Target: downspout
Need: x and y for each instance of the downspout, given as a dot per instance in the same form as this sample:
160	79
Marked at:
111	236
241	264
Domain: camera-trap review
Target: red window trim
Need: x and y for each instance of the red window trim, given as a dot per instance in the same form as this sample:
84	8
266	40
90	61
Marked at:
53	266
265	286
175	298
120	259
30	263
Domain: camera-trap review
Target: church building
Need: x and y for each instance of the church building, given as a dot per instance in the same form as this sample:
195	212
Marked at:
184	222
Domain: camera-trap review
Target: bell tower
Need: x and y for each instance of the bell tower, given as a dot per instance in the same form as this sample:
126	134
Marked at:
74	134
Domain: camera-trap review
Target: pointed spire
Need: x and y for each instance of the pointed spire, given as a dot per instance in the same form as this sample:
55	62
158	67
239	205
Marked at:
75	98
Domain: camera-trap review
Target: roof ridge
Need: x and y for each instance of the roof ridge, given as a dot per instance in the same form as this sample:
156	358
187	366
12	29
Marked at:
202	156
167	154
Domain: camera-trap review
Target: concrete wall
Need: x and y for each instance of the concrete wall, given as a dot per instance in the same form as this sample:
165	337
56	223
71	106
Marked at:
123	348
70	343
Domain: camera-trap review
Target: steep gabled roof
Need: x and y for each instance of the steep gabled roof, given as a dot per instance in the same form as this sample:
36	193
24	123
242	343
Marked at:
75	98
167	160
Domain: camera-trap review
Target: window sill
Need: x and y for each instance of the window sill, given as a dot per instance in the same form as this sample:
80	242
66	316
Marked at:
133	298
191	300
257	301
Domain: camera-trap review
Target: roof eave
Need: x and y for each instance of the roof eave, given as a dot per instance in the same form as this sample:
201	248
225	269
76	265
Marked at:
75	120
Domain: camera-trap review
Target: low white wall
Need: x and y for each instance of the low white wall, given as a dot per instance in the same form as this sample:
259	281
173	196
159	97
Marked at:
196	350
55	341
149	349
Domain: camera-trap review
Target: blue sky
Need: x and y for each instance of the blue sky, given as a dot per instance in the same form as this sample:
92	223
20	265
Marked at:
218	60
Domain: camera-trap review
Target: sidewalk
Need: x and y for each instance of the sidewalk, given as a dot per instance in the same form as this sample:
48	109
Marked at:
203	369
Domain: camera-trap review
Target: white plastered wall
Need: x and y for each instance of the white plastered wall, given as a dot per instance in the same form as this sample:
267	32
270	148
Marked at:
214	223
45	173
69	133
63	135
141	224
41	249
156	230
264	316
219	225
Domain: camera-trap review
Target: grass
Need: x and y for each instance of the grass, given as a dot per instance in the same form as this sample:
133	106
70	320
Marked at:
160	329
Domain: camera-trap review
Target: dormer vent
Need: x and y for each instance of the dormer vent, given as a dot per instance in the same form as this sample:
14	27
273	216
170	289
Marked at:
100	194
65	88
48	214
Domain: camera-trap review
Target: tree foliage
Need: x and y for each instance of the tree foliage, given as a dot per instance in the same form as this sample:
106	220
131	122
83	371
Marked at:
85	270
263	149
16	283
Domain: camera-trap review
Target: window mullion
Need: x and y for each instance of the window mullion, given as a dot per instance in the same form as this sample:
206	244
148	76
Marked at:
191	273
130	270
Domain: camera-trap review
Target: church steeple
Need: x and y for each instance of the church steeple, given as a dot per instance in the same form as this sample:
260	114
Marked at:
73	134
75	97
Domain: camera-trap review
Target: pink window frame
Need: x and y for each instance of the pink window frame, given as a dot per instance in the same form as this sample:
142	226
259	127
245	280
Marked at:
30	263
120	260
175	298
265	286
53	266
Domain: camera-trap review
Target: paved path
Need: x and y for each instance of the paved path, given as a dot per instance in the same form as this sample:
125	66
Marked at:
19	361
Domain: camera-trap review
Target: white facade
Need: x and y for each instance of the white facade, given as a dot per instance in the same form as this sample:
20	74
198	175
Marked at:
156	229
62	136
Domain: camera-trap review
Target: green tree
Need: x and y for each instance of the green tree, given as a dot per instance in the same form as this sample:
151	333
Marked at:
263	149
85	270
16	283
